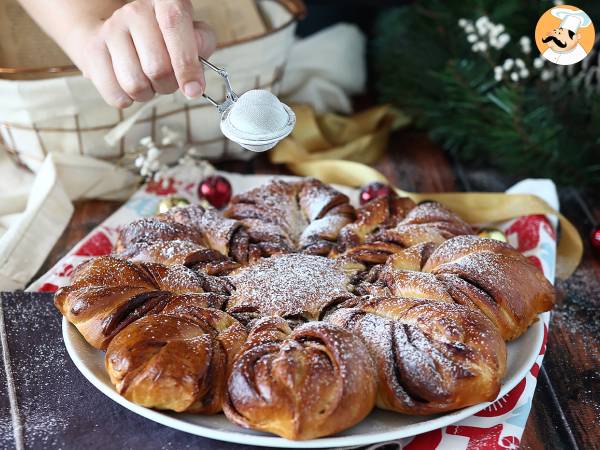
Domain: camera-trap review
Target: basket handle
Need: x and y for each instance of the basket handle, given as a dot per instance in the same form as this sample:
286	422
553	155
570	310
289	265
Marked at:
296	7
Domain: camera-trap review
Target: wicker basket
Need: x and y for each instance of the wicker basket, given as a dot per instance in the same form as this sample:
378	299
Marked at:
66	114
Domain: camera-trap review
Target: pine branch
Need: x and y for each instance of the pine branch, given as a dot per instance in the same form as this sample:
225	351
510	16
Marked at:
426	66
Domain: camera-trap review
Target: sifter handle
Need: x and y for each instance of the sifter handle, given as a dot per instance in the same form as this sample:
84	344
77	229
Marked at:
230	96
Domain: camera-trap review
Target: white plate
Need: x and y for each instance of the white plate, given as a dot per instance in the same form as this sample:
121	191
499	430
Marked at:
379	426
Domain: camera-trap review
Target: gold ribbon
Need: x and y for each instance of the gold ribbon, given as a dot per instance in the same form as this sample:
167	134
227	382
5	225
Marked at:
337	149
362	137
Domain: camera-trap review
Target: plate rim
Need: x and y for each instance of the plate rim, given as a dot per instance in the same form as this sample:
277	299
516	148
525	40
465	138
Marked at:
537	328
274	441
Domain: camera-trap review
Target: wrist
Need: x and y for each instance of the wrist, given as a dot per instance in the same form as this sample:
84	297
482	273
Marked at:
82	27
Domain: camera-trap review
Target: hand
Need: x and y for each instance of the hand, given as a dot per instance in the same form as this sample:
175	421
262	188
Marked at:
145	47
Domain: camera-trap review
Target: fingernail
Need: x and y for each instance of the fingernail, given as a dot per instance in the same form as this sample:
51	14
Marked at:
192	89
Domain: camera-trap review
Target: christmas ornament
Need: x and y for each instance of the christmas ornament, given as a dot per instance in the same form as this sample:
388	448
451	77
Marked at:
595	239
171	202
216	190
373	190
492	233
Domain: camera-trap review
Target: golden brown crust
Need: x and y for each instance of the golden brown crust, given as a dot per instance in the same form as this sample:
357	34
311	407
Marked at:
319	378
107	294
191	231
387	280
443	301
180	252
388	225
495	278
412	258
178	360
380	213
150	230
430	356
217	231
298	216
427	222
291	286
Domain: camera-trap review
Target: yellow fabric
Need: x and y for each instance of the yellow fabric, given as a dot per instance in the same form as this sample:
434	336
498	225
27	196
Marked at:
362	137
336	149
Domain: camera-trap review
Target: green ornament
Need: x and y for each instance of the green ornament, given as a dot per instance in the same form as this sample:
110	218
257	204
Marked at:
492	233
170	202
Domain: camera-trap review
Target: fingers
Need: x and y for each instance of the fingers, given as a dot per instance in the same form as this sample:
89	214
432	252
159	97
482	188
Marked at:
206	40
175	21
126	64
151	49
99	69
148	46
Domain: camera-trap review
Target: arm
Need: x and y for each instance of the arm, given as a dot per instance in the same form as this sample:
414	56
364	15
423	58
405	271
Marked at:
130	51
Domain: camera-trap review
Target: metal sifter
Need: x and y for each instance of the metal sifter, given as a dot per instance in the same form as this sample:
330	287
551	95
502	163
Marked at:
256	120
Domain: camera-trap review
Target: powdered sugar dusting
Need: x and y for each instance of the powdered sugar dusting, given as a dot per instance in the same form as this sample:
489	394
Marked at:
294	284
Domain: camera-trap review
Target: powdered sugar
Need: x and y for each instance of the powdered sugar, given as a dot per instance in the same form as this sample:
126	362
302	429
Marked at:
300	287
258	112
292	216
288	285
257	120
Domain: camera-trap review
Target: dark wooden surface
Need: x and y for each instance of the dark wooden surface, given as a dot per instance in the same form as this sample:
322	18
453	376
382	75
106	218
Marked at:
566	406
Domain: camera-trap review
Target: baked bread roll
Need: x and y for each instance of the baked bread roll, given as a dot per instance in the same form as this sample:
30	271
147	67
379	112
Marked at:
387	281
389	224
178	360
285	217
381	213
107	294
431	356
314	381
495	278
481	273
297	287
426	222
185	235
403	304
180	252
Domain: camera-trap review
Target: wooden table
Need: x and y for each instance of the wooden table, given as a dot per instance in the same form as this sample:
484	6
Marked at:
566	406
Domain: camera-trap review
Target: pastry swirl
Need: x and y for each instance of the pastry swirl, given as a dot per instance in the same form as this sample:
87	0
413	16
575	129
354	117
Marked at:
179	359
299	216
107	294
284	286
495	278
190	235
431	356
295	317
387	225
314	381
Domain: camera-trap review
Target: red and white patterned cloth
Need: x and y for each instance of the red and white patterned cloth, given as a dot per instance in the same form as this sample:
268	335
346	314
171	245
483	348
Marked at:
499	426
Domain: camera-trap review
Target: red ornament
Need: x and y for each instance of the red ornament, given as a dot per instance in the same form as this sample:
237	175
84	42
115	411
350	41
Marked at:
373	190
216	190
595	239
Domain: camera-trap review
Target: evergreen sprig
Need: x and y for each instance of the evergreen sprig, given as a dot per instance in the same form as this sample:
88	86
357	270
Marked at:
531	127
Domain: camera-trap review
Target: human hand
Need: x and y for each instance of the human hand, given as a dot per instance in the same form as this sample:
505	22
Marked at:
145	47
